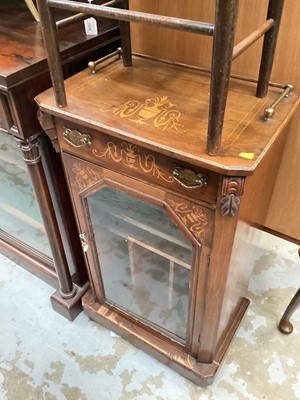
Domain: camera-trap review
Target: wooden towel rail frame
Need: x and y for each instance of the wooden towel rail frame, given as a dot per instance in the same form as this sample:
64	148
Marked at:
224	51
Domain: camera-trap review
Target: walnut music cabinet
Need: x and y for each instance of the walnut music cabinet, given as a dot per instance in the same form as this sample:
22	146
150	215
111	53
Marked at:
23	74
165	185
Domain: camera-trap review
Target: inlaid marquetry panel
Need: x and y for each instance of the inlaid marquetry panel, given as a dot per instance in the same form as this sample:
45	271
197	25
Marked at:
137	162
196	218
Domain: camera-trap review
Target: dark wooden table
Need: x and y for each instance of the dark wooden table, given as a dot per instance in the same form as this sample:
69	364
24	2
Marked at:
24	74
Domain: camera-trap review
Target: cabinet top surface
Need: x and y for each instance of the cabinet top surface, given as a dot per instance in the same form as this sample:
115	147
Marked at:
165	108
22	51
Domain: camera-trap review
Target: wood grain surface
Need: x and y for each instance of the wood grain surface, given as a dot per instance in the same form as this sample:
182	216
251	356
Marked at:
192	49
159	106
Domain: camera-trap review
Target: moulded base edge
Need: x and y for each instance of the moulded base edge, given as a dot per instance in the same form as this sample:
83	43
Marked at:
165	351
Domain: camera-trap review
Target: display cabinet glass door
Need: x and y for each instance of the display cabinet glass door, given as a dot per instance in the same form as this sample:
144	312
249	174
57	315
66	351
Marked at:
143	258
19	212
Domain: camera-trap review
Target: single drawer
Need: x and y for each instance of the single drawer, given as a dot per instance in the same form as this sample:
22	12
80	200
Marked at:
138	162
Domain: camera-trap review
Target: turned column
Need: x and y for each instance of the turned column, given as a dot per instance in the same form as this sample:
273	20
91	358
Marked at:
32	157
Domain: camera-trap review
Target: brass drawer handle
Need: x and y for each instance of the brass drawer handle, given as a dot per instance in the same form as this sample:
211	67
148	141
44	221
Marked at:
189	178
269	111
76	138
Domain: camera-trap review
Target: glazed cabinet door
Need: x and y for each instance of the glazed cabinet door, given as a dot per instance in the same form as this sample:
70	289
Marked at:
143	248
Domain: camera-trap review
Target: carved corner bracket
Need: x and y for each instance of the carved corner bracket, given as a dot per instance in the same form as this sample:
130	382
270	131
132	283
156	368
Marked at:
232	191
47	124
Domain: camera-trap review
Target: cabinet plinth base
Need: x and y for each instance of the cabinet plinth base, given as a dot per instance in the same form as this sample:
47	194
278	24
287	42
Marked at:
167	352
69	308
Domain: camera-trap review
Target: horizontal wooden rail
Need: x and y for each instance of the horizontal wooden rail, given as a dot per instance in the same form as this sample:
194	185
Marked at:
252	38
135	16
81	16
69	20
112	3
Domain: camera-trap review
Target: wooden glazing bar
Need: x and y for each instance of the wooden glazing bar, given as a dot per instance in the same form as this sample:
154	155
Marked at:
135	16
275	12
125	38
252	38
49	32
226	10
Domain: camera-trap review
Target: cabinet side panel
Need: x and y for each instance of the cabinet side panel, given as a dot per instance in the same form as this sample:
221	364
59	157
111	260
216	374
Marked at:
253	212
281	215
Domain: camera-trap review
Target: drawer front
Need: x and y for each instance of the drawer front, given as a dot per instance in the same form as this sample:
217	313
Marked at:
6	121
138	162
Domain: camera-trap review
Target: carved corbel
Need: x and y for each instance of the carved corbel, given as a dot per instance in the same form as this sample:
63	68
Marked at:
47	123
232	191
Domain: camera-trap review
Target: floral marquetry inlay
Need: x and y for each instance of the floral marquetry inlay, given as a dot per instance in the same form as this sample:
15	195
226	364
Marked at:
132	157
85	176
192	216
159	111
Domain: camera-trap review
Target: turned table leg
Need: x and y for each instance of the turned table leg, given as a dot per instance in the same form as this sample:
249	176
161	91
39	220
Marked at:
285	325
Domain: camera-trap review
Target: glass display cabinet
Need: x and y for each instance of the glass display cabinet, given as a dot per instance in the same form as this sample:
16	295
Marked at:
33	230
165	185
20	216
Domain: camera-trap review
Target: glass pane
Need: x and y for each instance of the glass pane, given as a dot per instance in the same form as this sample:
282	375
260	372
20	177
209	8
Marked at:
145	260
19	212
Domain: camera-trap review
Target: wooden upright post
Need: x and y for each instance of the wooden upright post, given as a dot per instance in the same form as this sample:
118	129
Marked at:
49	32
275	12
125	38
223	42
